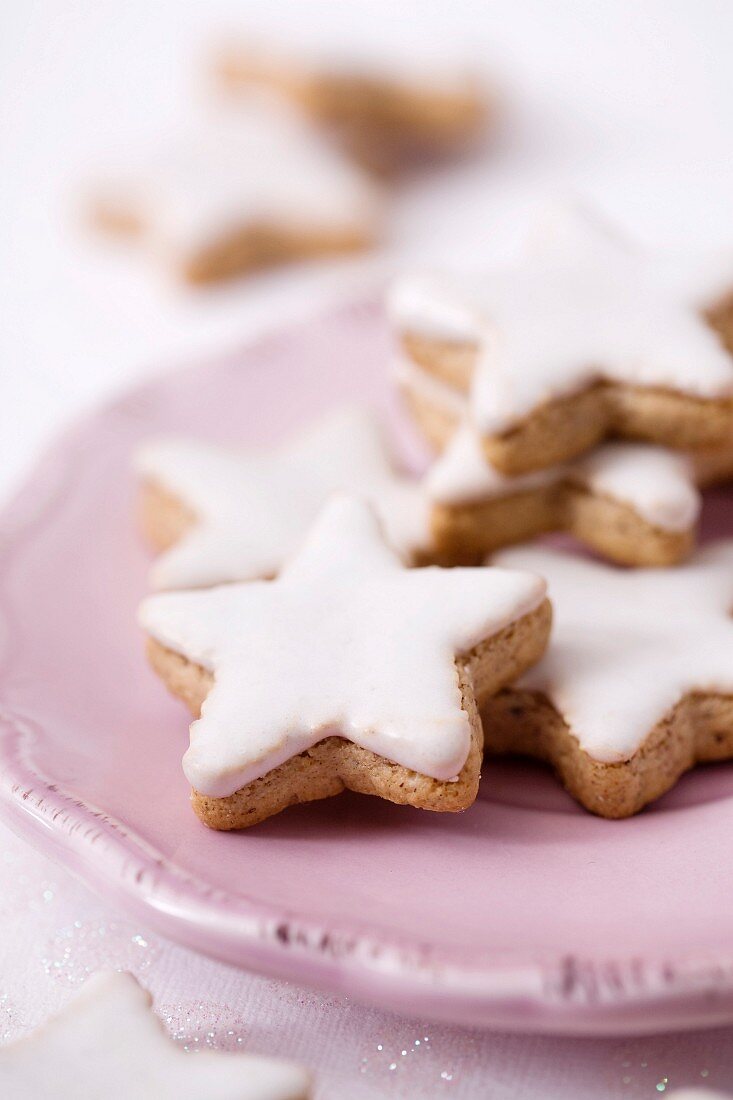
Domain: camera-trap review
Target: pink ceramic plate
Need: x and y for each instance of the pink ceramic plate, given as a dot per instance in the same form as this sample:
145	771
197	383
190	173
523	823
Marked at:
524	913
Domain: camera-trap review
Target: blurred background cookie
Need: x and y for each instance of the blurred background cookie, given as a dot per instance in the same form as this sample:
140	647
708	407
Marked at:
235	190
388	107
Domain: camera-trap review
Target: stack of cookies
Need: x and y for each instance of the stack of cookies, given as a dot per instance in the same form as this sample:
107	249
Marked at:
588	389
332	623
528	378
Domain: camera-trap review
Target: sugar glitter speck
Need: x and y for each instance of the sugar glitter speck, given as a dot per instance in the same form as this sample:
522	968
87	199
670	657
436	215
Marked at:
78	950
704	1072
199	1025
10	1025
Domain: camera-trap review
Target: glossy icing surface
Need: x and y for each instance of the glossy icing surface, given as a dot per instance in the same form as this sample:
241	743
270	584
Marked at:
381	673
252	509
627	645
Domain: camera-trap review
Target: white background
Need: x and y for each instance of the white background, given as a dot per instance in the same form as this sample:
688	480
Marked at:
628	102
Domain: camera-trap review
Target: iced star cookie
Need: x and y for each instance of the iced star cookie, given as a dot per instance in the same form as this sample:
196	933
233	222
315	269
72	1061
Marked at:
109	1043
385	108
634	503
239	190
347	671
223	515
637	685
581	339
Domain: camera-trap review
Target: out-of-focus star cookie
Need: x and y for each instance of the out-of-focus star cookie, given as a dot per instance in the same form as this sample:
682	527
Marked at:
348	670
581	339
109	1044
240	190
386	107
223	515
637	685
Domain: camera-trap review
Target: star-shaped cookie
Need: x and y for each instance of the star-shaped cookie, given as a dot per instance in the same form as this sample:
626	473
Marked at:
109	1044
223	515
348	670
637	685
386	106
634	503
237	190
581	339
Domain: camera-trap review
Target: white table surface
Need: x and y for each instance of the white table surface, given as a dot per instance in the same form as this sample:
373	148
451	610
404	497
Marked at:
628	103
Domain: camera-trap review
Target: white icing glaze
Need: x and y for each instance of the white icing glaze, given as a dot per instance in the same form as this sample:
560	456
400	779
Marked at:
259	164
430	64
627	645
657	483
109	1043
253	509
426	75
442	307
345	642
578	308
